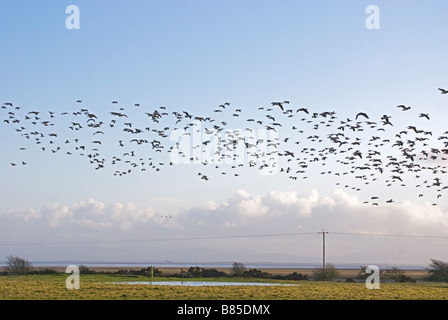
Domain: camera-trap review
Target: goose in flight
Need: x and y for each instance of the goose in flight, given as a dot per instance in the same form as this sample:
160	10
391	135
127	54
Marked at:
397	178
386	120
403	107
278	104
361	114
443	91
118	114
369	161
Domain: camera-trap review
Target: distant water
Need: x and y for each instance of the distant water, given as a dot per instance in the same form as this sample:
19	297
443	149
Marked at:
213	265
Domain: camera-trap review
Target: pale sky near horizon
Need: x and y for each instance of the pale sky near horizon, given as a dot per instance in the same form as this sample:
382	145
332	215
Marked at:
194	56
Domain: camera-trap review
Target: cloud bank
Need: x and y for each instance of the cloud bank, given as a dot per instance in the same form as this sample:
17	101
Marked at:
243	226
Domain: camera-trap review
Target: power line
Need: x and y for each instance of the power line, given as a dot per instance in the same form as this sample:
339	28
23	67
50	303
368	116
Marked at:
388	235
155	239
80	242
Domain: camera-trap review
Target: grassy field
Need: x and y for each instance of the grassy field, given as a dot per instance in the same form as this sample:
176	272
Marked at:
101	287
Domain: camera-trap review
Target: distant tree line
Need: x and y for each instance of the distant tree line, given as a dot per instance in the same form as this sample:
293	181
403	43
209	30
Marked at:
393	274
437	272
238	270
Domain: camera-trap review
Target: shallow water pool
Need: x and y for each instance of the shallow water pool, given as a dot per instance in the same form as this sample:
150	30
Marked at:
204	283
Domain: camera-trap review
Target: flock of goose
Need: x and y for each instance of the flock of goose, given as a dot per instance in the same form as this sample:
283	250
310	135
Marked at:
293	141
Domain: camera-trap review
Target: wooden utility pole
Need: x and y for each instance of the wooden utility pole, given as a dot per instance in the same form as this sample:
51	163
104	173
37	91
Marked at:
323	252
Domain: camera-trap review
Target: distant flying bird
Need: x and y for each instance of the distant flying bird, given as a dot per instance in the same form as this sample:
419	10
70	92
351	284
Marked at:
339	137
443	91
278	104
362	114
303	109
386	120
403	107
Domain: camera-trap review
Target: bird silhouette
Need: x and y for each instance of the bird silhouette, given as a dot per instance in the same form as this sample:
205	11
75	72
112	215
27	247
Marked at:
328	139
362	114
403	107
279	104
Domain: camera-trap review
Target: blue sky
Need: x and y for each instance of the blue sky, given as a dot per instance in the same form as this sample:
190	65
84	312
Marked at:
194	56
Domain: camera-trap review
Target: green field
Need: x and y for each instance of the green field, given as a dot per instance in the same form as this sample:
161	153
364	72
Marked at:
100	286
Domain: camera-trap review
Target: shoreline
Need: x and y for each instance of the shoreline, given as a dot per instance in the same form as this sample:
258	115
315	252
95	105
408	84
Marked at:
344	272
220	264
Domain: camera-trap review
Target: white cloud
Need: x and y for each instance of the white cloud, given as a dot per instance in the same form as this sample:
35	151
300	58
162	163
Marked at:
292	203
241	214
128	215
26	216
57	214
339	211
